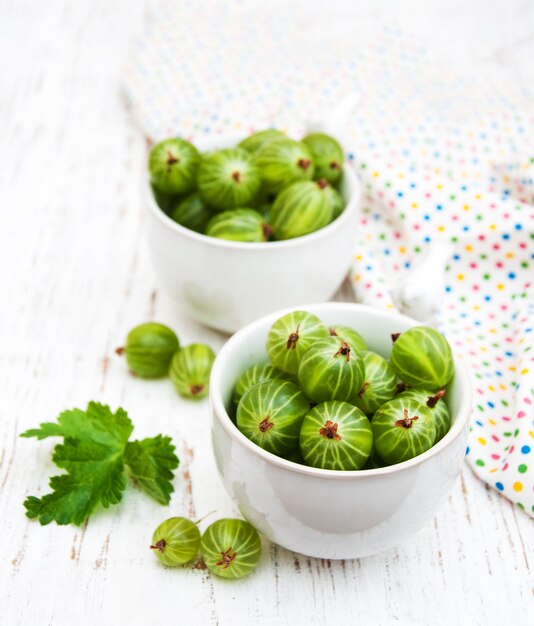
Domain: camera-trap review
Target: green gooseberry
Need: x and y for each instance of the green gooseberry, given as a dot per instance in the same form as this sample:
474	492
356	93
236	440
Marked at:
239	225
422	358
230	548
149	349
331	370
270	415
228	179
295	456
300	209
192	212
255	141
190	370
352	337
336	436
334	198
402	429
282	162
374	461
327	156
165	201
176	541
173	166
436	405
380	383
290	336
257	373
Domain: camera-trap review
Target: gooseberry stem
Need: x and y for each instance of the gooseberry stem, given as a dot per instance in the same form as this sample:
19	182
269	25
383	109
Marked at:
171	159
344	351
433	400
292	339
395	336
406	422
120	351
304	163
226	558
329	430
322	183
362	390
204	517
401	387
159	545
196	389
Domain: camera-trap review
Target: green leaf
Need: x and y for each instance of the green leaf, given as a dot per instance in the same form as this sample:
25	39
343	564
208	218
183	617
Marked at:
93	456
151	462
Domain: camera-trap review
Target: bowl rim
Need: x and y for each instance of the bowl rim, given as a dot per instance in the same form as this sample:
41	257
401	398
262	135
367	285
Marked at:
220	413
350	209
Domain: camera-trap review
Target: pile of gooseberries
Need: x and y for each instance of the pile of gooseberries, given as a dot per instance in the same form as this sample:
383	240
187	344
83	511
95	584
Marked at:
326	401
153	350
269	187
230	548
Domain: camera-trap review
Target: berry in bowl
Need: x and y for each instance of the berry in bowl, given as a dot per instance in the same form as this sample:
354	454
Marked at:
238	227
337	428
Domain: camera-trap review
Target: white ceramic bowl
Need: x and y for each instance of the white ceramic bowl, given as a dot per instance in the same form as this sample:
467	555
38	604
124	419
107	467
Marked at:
227	284
326	513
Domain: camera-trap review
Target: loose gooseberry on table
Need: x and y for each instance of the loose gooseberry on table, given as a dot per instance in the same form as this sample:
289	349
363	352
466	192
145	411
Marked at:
149	349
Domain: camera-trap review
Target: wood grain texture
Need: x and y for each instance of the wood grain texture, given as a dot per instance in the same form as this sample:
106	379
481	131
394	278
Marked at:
74	277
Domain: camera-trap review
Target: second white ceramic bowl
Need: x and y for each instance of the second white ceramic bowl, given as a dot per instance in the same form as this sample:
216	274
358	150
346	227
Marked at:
227	284
325	513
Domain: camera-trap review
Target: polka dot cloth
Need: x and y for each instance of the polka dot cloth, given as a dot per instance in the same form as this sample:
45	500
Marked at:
441	157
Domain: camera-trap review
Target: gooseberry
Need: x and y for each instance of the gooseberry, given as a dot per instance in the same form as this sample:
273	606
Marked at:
270	415
257	373
327	156
192	212
190	370
165	201
336	436
230	548
335	200
402	429
173	166
422	357
352	337
149	349
380	383
290	336
282	162
239	225
176	541
331	370
300	209
228	179
435	403
255	141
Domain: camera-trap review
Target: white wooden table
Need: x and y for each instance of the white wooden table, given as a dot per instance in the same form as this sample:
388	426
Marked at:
74	277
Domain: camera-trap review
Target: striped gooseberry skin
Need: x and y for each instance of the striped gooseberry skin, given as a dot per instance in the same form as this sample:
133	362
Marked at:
228	179
327	156
257	373
270	415
173	166
402	429
230	548
336	436
437	406
290	336
239	225
190	370
422	358
352	337
300	209
255	141
192	212
282	162
336	201
149	349
331	370
176	541
380	383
